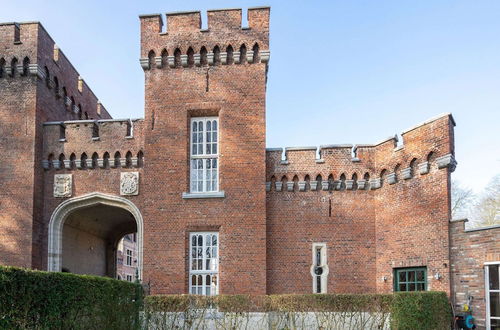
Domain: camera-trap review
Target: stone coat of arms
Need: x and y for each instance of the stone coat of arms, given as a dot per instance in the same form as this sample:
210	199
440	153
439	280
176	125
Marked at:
63	184
129	183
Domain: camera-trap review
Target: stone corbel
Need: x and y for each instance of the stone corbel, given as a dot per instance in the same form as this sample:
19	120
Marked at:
302	185
391	178
314	185
375	183
135	162
36	70
236	57
447	161
171	61
406	173
184	60
158	62
100	163
250	56
210	58
144	63
361	184
289	185
265	56
8	70
78	164
20	68
45	164
197	59
424	167
325	185
278	185
123	162
268	186
223	58
56	164
67	164
337	184
349	184
89	163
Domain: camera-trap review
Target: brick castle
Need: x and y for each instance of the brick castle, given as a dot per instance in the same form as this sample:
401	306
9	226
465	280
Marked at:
214	210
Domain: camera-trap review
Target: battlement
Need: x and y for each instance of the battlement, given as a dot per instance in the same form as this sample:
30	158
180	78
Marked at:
93	140
425	147
27	50
185	43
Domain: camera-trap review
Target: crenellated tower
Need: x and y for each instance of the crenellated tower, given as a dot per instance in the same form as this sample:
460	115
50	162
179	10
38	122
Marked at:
205	123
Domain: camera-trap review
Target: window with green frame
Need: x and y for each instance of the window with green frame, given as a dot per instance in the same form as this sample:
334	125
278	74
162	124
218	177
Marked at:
410	279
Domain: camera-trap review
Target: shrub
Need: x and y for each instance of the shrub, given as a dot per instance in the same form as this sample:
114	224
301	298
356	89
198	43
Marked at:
420	310
47	300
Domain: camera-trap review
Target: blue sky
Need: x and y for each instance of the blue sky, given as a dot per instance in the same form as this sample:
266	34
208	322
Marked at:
340	71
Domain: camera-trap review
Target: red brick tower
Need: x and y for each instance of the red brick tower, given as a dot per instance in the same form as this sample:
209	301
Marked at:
220	74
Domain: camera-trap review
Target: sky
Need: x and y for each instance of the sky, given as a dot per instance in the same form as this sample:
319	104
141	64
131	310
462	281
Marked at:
340	71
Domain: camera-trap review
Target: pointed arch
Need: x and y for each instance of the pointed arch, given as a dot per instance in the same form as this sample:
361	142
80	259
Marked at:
47	77
256	55
13	67
354	179
190	55
203	56
342	181
243	53
140	159
56	86
26	66
177	58
63	210
383	176
230	56
164	58
80	113
72	161
83	159
366	177
2	67
95	158
128	159
105	160
117	159
216	52
151	59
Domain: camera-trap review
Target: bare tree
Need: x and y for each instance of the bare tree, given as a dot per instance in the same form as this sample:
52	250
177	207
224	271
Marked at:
462	199
488	206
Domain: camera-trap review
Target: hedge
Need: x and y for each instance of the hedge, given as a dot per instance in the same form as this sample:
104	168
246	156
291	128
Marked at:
48	300
408	310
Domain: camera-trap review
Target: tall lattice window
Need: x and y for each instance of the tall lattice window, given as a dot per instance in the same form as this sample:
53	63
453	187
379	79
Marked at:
204	263
128	261
204	155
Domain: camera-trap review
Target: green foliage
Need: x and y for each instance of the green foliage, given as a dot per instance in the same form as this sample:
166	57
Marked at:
47	300
420	310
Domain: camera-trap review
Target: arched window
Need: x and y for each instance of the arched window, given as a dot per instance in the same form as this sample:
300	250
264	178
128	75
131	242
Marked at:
330	182
105	159
216	55
256	55
229	51
366	177
342	181
128	159
354	181
140	159
13	67
413	167
2	67
164	58
117	159
72	159
62	158
243	54
383	175
95	157
83	160
203	56
190	55
26	66
177	58
151	59
47	77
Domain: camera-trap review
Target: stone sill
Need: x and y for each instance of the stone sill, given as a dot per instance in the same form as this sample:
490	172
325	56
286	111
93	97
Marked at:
215	194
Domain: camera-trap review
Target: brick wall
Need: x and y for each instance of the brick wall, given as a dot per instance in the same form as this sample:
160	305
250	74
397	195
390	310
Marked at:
469	251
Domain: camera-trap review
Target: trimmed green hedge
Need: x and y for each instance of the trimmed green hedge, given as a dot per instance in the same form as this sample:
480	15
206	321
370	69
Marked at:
46	300
408	310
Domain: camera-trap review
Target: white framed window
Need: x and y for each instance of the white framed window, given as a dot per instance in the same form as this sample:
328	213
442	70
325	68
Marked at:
319	268
492	292
129	278
204	160
128	261
204	263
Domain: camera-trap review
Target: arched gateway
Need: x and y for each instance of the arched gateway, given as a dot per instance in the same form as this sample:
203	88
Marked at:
94	214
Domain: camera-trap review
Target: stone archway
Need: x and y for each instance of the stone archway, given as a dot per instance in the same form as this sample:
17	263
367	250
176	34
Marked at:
68	207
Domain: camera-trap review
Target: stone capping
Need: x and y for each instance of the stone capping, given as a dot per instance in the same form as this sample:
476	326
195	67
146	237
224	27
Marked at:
361	184
447	160
300	148
349	184
89	121
264	55
482	228
325	185
216	194
63	210
289	185
302	185
278	185
428	121
424	168
406	173
375	183
391	178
